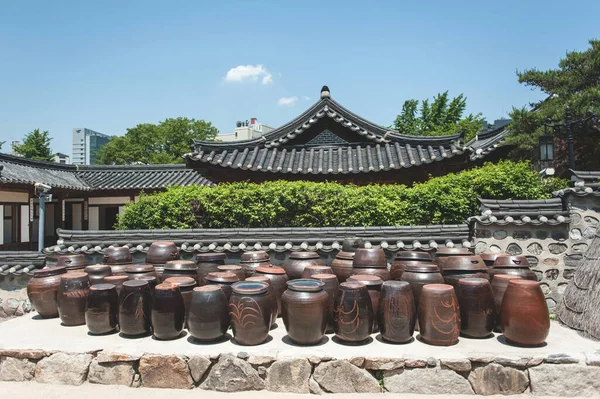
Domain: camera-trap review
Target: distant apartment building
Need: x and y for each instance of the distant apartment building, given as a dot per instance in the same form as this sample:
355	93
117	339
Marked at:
86	143
59	157
246	131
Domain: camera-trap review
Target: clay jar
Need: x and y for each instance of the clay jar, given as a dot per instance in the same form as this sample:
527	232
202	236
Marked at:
331	288
151	280
477	308
439	315
278	279
208	262
72	262
186	286
252	259
72	297
250	312
168	313
135	307
223	280
117	258
270	293
419	276
404	258
160	252
524	314
42	290
499	285
342	265
457	267
353	312
442	254
117	281
513	265
373	284
136	271
304	309
181	268
102	309
294	265
209	313
489	258
396	313
235	269
310	270
96	273
370	261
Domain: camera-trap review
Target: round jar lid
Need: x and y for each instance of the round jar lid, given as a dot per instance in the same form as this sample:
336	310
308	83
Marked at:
413	255
116	279
208	288
181	265
183	282
102	287
229	268
516	261
304	255
324	276
305	285
345	255
366	279
211	256
139	269
465	263
222	277
270	270
254	256
49	271
73	276
445	251
135	283
352	285
422	268
96	268
249	287
473	281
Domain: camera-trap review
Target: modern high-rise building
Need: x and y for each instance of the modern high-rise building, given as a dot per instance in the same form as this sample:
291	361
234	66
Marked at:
86	143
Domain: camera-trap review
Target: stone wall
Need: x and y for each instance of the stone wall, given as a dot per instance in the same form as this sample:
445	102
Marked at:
13	295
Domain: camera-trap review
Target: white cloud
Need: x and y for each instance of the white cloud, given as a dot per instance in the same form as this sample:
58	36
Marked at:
288	100
242	73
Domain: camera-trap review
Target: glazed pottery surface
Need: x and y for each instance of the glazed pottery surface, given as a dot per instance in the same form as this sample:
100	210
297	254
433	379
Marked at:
223	280
72	262
209	313
235	269
396	313
181	268
186	286
305	309
168	311
419	276
252	259
270	294
443	254
96	273
353	312
373	284
117	281
102	309
524	314
296	262
136	271
250	312
342	265
413	256
151	280
278	278
352	244
331	288
489	258
208	262
42	290
499	285
369	258
117	256
119	270
72	298
310	270
477	307
135	308
380	272
160	252
397	267
465	266
513	265
439	315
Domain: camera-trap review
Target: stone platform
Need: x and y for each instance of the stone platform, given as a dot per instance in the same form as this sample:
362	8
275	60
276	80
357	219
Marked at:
42	350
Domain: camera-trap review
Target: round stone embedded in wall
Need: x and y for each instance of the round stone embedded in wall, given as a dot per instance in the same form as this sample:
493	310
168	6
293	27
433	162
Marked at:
483	233
558	236
533	261
589	233
552	274
581	247
591	220
550	262
575	234
495	248
522	235
573	260
542	234
551	303
500	234
545	288
561	288
514	249
480	247
556	248
539	275
534	248
575	218
568	273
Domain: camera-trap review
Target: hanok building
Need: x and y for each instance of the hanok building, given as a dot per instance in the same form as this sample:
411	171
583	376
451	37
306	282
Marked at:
327	142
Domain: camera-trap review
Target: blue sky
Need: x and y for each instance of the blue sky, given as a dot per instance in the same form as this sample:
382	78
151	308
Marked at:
111	65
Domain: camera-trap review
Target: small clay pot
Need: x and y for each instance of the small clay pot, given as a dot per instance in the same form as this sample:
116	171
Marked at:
278	279
42	290
296	262
223	280
442	254
252	259
168	312
513	265
419	276
235	269
96	273
270	293
135	308
499	285
396	312
524	314
353	312
477	308
182	268
72	262
117	281
369	258
489	258
439	315
250	311
186	286
209	313
342	265
310	270
136	271
373	284
72	298
331	288
117	256
160	252
208	262
102	309
305	307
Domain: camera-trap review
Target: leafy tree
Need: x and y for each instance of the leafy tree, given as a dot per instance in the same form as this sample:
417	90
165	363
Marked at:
443	116
2	143
36	145
576	84
148	143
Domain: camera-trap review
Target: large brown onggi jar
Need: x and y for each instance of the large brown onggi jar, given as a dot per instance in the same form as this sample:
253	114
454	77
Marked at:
524	315
331	288
168	312
160	252
439	315
499	285
116	256
135	308
223	280
151	280
444	253
250	312
396	313
186	286
419	276
342	265
181	268
252	259
404	258
457	267
374	285
96	273
310	270
102	309
304	309
235	269
72	298
477	308
270	294
489	258
136	271
207	262
278	279
209	313
42	290
353	312
72	262
117	281
513	265
369	257
296	262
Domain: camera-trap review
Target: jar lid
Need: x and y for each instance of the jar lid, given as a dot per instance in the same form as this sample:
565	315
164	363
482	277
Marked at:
163	244
263	279
71	260
73	276
446	251
116	279
135	283
184	282
505	277
96	268
473	281
305	285
102	287
413	255
139	269
466	263
524	283
208	288
352	285
324	276
518	261
304	255
366	279
181	265
490	256
150	279
254	256
437	288
222	277
422	268
345	255
396	283
210	256
270	270
166	286
225	268
49	271
249	287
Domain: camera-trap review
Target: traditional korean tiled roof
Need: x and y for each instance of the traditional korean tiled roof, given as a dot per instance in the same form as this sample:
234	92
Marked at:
520	212
487	141
19	262
583	183
17	170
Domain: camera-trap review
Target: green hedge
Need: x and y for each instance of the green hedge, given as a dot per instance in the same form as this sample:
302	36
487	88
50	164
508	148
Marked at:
447	199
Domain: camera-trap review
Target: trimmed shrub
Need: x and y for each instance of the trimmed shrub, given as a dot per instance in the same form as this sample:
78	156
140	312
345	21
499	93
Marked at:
441	200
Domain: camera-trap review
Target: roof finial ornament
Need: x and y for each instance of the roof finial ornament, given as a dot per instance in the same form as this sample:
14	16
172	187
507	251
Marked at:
325	92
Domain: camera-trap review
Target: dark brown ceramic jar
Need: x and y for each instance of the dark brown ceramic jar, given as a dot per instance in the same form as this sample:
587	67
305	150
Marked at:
310	270
168	312
369	257
72	297
278	279
419	276
186	287
252	259
209	313
96	273
499	285
250	312
477	308
136	271
160	252
404	258
72	262
439	315
151	280
117	281
208	262
135	308
513	265
116	256
42	290
235	269
524	314
457	267
396	313
304	309
331	288
102	309
342	265
353	312
442	254
489	258
270	293
373	284
223	280
296	262
182	268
